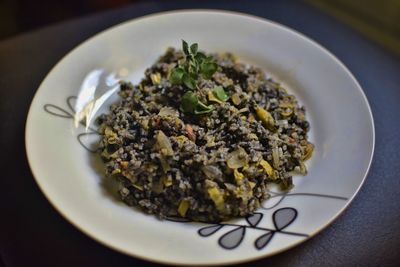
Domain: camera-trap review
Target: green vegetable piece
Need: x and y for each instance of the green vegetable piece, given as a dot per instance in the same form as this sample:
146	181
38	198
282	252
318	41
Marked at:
185	47
193	48
200	57
176	76
219	92
203	108
189	102
189	81
207	69
200	112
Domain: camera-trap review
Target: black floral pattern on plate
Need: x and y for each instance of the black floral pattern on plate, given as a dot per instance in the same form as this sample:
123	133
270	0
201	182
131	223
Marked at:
282	218
70	114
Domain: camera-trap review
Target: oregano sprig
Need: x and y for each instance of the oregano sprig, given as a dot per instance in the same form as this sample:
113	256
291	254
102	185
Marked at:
195	65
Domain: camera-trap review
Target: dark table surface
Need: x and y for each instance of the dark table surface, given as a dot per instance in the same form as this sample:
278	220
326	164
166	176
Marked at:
32	233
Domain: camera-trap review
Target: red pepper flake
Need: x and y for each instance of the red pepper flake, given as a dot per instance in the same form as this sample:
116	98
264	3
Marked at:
291	141
190	132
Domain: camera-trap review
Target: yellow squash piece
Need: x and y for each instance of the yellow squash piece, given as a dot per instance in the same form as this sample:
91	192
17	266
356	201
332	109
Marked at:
245	167
181	139
267	167
124	164
236	99
238	175
252	185
183	207
112	137
217	197
167	181
155	78
266	118
116	171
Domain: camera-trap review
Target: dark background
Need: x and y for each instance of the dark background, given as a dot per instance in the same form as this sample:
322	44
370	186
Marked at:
379	20
18	16
362	34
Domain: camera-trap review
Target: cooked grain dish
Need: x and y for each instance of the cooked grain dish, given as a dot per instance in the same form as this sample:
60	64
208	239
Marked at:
205	149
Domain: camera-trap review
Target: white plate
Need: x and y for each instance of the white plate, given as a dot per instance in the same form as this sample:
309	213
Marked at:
341	128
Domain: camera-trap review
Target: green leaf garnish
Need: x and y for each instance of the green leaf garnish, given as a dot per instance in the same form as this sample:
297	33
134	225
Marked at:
189	102
189	81
199	112
220	93
207	69
196	64
193	48
176	75
185	47
203	108
200	57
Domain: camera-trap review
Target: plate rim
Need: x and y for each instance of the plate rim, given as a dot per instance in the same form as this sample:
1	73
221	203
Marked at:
204	11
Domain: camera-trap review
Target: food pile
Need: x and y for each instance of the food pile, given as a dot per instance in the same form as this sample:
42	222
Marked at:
202	137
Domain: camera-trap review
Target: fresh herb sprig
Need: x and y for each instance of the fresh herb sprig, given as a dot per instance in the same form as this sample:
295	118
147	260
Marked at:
195	65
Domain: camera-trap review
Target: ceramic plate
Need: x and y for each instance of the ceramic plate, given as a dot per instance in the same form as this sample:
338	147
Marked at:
60	151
